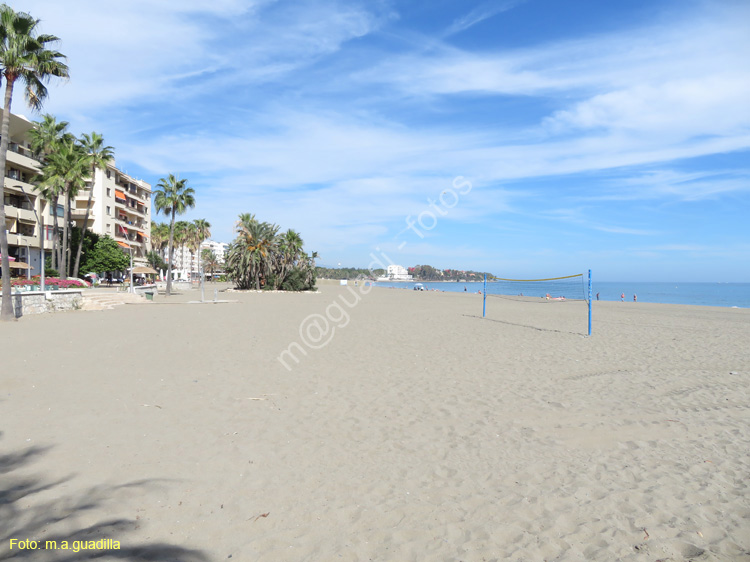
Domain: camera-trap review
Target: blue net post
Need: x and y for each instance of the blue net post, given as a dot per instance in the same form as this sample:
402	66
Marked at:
484	297
589	302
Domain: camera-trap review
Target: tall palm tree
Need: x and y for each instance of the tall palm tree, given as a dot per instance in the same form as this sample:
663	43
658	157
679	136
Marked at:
172	197
45	138
97	156
24	56
66	167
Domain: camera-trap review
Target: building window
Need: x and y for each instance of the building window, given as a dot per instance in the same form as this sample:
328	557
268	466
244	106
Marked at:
109	191
60	211
109	174
109	210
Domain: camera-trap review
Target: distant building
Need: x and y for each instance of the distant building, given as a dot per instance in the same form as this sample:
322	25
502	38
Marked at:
218	248
396	273
186	264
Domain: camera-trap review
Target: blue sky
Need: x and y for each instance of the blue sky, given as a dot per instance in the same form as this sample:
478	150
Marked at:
606	135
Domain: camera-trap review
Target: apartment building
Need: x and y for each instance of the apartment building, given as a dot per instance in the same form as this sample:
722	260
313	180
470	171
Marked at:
120	206
23	206
186	264
218	248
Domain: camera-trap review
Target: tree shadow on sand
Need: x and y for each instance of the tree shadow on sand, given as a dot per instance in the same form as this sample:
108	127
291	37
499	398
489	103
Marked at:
18	520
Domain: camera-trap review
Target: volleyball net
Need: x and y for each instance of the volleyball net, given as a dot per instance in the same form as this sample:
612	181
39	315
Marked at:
550	290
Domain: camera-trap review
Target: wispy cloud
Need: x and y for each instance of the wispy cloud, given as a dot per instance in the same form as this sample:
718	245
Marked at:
479	14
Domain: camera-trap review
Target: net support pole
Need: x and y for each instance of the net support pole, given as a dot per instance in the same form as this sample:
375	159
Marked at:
589	302
484	297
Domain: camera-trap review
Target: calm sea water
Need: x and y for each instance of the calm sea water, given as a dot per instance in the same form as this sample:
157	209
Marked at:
702	294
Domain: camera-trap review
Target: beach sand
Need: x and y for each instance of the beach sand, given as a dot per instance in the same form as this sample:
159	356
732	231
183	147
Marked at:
420	431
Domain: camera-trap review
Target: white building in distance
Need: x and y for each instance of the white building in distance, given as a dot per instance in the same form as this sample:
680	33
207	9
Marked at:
396	273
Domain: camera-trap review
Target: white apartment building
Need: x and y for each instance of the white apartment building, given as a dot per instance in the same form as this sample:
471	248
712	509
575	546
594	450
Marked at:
120	207
218	248
186	264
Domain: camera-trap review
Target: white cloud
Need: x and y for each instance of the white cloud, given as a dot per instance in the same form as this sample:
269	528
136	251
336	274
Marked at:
137	52
480	13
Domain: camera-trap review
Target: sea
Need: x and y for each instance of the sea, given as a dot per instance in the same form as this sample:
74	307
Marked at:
732	295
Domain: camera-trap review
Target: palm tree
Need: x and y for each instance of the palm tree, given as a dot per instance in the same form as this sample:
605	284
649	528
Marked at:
172	197
208	257
65	168
251	256
290	246
45	138
46	134
97	155
159	236
24	56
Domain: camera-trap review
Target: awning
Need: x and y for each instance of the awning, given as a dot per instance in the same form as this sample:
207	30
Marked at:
20	265
123	244
144	269
120	195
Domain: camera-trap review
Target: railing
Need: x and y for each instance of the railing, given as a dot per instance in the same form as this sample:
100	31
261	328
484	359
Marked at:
81	213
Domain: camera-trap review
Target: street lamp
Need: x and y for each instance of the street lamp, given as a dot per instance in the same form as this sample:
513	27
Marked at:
41	241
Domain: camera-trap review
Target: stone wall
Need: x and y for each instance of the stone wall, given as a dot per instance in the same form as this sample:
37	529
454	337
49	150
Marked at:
38	302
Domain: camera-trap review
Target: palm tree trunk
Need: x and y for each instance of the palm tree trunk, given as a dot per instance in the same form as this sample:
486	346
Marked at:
171	251
6	309
70	235
85	222
57	251
66	221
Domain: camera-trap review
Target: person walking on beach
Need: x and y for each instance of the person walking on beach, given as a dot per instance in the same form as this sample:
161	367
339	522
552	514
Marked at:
635	298
622	297
597	296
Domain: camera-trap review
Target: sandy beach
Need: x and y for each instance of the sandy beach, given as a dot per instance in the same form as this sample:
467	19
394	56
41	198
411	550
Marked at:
398	426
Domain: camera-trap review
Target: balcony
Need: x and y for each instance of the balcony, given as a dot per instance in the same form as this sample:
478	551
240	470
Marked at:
24	213
130	238
14	184
121	205
83	195
22	156
81	213
16	239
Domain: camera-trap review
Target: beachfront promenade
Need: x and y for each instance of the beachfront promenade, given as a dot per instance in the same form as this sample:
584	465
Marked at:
408	429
